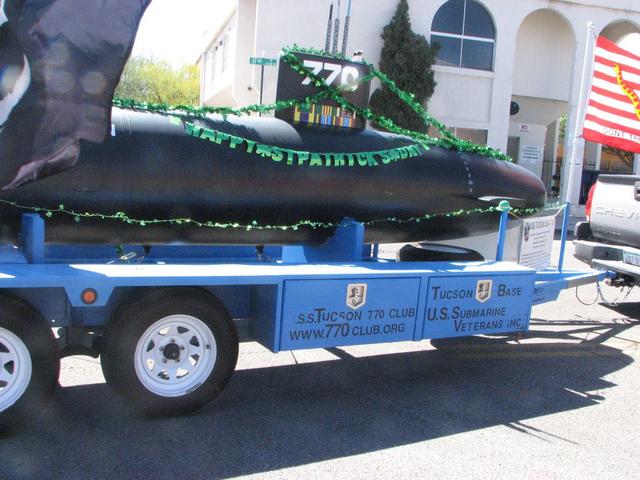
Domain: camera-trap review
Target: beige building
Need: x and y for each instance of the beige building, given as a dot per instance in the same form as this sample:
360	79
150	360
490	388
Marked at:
493	53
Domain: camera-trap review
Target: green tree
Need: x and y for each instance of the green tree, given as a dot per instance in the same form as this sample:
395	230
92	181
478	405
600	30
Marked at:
406	58
155	81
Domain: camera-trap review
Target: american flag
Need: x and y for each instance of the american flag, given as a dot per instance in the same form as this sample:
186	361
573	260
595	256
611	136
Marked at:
613	112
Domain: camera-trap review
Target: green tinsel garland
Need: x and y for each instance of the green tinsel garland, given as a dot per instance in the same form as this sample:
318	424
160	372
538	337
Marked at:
191	111
254	225
448	140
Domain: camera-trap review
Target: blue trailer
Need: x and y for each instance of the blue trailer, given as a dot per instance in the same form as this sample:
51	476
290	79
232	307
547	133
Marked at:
162	317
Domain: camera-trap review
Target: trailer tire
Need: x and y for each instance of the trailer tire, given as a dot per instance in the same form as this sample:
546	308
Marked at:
435	252
170	352
29	362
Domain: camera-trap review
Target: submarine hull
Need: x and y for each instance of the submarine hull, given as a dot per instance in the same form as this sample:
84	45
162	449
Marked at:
158	168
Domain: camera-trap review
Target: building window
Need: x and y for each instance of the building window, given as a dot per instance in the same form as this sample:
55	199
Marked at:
475	135
211	65
225	51
466	35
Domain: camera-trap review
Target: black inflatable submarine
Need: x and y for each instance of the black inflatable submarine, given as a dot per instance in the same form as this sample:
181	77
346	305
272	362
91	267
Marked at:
61	144
227	170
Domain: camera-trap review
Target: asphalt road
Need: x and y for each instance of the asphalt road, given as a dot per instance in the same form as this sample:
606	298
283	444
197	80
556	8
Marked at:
560	403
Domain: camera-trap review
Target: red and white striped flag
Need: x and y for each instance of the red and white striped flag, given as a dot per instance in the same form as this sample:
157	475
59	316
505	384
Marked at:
613	111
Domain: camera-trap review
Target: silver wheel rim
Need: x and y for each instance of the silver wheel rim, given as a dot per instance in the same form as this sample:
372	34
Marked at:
15	368
175	355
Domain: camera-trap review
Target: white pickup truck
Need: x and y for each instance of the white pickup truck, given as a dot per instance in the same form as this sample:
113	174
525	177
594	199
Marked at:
609	239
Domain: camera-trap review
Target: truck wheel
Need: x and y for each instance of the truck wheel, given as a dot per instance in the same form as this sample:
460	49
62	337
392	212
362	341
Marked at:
29	362
170	352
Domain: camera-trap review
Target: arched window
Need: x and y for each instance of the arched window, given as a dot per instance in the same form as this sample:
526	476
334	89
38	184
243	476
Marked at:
466	35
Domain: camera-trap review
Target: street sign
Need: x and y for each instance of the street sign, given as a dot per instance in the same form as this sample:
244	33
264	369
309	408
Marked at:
263	61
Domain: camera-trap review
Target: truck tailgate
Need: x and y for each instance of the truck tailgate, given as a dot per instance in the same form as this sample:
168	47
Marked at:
615	213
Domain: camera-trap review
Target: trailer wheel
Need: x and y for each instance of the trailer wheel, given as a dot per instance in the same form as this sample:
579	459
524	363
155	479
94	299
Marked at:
29	362
170	352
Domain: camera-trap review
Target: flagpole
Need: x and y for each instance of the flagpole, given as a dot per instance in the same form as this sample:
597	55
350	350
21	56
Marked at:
574	146
582	110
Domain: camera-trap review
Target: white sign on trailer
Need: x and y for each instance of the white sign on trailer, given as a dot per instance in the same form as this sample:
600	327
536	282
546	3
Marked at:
537	241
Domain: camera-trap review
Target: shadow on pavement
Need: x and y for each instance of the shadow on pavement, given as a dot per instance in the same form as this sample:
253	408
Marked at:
627	309
278	417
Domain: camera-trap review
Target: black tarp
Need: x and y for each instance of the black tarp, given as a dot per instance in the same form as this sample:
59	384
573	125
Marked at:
73	53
